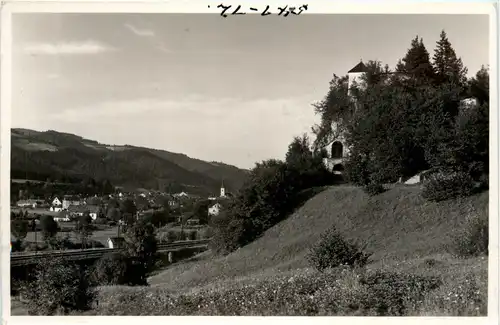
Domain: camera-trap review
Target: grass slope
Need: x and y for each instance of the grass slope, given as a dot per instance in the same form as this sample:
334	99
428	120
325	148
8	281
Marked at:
398	225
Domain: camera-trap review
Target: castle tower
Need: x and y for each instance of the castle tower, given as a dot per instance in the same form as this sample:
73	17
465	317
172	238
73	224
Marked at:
355	75
222	190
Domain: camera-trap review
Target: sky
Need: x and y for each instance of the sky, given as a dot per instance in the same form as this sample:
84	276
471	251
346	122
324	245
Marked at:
235	90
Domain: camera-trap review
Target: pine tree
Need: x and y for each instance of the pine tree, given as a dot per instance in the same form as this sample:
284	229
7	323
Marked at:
448	67
416	64
479	86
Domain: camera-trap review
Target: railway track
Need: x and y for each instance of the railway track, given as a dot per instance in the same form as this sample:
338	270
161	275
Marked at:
24	258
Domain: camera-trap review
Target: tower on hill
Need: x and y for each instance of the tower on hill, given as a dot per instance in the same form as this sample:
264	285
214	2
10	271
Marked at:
356	74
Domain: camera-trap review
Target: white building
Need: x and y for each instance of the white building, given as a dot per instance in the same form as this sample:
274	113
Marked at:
222	190
214	210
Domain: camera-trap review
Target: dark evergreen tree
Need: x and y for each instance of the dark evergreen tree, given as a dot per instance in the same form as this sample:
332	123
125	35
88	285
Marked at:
447	66
479	86
375	73
416	64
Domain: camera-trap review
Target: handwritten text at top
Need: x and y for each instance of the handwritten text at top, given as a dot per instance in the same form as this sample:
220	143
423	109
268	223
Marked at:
284	11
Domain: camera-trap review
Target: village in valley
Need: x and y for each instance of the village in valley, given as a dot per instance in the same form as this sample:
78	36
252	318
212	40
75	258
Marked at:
187	213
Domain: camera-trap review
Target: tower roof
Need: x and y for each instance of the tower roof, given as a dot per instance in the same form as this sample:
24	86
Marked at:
360	67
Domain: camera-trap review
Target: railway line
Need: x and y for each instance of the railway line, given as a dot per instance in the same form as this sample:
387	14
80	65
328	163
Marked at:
23	258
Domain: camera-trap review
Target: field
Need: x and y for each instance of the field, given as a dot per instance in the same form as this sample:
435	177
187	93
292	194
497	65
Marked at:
39	211
98	235
405	233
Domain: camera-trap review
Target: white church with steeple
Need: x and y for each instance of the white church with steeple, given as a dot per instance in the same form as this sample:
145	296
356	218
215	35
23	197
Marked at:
222	190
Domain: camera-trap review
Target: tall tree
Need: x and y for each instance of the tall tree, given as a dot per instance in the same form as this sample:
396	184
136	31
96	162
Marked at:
417	64
335	110
299	152
49	227
83	228
141	246
200	211
128	206
479	86
375	73
19	228
447	66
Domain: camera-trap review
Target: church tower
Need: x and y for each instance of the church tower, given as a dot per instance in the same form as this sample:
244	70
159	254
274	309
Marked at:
222	190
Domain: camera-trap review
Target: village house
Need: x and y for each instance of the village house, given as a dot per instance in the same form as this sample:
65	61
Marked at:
29	203
56	202
181	194
214	210
80	210
56	205
69	200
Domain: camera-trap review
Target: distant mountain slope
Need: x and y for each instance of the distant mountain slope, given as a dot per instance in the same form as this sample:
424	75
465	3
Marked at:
53	154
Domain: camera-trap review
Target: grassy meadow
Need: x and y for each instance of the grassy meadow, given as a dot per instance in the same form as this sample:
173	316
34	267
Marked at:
412	271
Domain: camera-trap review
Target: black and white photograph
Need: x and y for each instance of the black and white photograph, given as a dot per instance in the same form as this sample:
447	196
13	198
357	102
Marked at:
250	159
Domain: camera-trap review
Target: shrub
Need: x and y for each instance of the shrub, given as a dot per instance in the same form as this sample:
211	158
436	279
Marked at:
168	236
333	250
32	247
206	233
49	227
390	293
17	245
59	287
440	187
62	243
473	239
101	221
192	235
182	235
111	269
373	189
466	296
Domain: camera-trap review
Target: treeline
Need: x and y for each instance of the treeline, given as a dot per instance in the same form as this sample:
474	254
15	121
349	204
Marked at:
411	120
49	189
133	168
